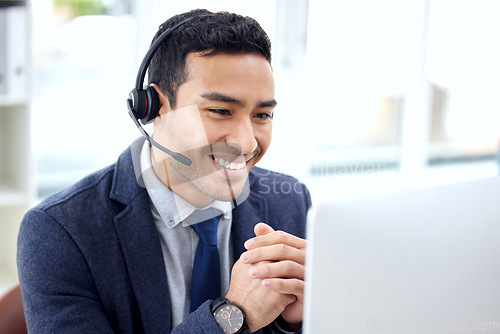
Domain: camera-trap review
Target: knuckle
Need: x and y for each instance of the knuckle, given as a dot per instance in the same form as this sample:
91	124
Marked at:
254	253
264	270
298	285
282	235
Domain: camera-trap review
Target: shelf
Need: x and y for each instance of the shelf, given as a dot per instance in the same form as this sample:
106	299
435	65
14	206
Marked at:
10	196
16	183
6	101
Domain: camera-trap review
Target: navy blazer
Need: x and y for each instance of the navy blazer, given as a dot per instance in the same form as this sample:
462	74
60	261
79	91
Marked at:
90	259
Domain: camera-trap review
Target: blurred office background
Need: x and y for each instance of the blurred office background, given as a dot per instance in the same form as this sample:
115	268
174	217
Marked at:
373	96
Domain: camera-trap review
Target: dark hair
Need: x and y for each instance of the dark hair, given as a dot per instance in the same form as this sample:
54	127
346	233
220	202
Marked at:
213	33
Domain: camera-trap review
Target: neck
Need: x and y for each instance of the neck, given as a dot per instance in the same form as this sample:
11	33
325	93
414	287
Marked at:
183	188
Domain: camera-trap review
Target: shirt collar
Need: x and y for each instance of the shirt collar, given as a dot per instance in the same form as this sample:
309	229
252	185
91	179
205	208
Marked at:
172	208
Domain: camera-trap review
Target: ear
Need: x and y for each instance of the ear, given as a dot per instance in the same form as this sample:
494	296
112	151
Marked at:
164	103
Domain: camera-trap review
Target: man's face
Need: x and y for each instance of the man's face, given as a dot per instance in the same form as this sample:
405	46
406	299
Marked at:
222	122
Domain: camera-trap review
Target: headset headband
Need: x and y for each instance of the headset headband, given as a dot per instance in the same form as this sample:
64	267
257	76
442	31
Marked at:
143	102
141	74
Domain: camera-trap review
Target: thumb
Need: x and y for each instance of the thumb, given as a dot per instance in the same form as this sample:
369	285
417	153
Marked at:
262	229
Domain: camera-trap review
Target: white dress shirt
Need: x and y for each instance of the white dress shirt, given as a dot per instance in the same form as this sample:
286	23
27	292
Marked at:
173	216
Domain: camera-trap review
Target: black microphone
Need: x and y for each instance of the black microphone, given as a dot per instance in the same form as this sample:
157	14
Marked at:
177	156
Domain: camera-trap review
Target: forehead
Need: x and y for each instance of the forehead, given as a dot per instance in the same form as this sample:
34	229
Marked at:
240	71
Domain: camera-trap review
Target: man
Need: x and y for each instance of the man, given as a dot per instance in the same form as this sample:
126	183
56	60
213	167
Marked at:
118	251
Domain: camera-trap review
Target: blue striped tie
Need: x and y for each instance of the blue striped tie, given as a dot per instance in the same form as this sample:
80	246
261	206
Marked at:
205	281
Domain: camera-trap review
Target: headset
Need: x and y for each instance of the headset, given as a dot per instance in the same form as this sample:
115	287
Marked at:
143	102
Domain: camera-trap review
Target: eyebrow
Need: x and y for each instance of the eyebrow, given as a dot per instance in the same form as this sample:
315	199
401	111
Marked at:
214	96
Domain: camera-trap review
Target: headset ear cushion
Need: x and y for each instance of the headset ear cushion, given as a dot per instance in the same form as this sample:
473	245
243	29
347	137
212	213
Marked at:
138	103
153	105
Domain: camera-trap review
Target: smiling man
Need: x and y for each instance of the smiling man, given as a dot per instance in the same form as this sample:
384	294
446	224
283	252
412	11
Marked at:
222	122
153	245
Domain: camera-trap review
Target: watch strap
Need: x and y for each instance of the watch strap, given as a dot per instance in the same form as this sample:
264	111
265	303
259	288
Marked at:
218	302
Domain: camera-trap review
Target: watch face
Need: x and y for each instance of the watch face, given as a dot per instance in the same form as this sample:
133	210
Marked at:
230	318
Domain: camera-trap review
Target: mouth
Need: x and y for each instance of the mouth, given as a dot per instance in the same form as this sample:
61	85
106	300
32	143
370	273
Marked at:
232	165
230	160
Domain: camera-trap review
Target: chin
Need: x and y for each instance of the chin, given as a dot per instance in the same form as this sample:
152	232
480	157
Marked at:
223	190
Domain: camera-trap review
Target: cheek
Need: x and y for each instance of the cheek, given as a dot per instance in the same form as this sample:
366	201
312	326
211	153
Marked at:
181	128
214	131
263	135
219	131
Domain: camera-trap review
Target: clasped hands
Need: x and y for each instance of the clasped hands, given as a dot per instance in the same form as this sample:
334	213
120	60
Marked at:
268	279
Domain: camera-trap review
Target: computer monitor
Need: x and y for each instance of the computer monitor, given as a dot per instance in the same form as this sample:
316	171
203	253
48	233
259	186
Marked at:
420	261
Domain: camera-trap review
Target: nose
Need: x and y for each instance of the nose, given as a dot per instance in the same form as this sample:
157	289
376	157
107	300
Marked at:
243	135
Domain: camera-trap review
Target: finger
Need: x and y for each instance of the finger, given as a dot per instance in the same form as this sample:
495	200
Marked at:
262	229
278	252
282	269
285	286
259	229
276	237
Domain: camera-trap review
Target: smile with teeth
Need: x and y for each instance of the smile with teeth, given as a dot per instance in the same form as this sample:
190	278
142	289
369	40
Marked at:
229	165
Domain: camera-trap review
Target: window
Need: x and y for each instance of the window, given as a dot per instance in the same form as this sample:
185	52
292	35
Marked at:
374	96
395	94
464	68
84	63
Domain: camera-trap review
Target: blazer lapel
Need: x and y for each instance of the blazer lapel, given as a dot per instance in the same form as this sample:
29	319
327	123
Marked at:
141	247
252	211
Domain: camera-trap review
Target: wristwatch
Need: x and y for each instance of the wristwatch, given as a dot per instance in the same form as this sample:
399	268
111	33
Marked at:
229	317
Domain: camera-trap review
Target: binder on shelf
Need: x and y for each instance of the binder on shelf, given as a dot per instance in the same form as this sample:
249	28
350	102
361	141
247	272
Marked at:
3	51
14	52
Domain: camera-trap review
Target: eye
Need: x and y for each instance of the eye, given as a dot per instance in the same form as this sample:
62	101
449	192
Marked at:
222	112
264	115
